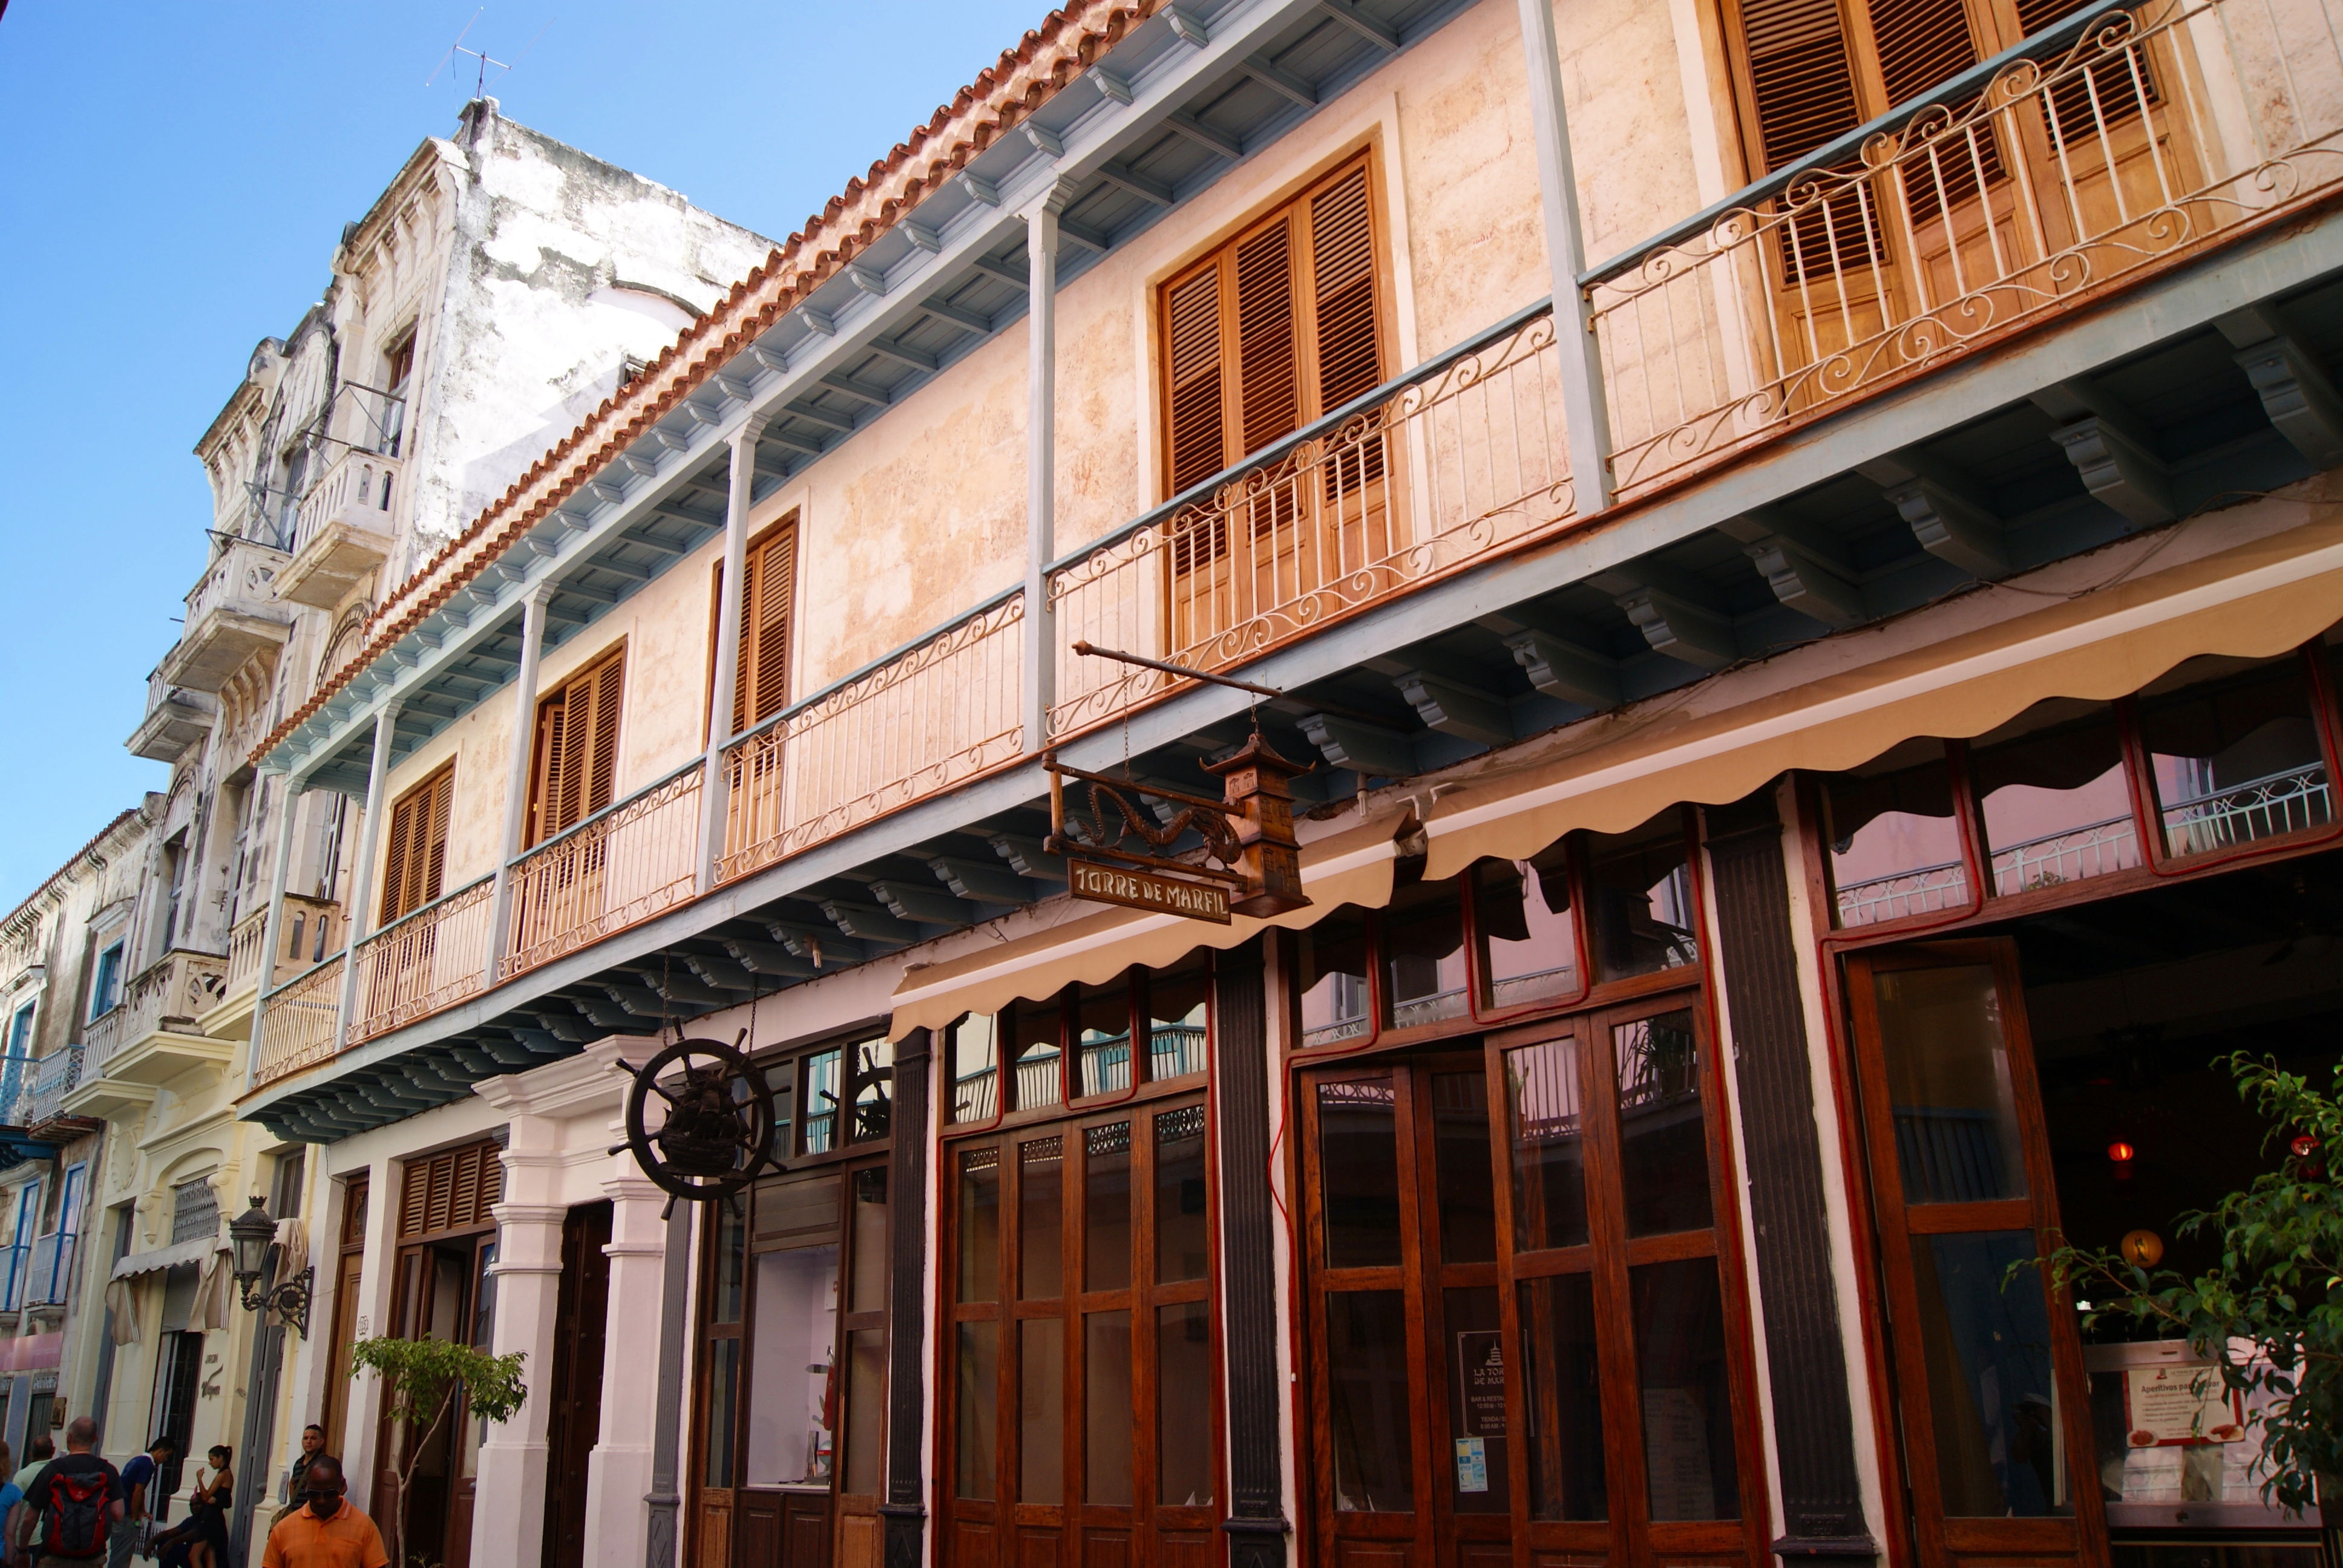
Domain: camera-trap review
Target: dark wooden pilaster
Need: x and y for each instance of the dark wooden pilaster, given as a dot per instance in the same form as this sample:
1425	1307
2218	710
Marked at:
905	1509
1822	1500
1255	1522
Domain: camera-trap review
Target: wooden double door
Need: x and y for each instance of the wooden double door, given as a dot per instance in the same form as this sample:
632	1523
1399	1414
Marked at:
1528	1338
1997	1439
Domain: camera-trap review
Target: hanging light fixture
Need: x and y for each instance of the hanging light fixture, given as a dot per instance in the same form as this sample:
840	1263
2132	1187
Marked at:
252	1236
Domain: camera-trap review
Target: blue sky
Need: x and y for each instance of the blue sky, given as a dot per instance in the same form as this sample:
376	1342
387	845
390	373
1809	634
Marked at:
173	181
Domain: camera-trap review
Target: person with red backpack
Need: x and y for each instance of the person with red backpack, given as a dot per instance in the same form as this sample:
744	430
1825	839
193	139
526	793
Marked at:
76	1503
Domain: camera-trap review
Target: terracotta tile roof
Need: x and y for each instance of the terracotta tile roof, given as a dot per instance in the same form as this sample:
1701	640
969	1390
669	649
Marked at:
1001	99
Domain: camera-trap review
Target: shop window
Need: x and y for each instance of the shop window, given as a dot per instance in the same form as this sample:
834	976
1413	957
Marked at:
1663	1148
1081	1302
1528	930
824	1095
1686	1392
2052	796
1640	901
1332	979
974	1053
1038	1080
1103	1038
1950	1081
1894	843
1548	1124
1423	956
1562	1375
1178	1004
2233	753
870	1068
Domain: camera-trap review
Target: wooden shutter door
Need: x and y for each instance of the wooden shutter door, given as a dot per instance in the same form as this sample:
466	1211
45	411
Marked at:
1347	356
396	858
768	594
441	805
577	748
417	854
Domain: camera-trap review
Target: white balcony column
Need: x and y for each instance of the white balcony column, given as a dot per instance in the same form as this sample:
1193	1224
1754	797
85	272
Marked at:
1583	407
519	753
1041	671
357	927
272	928
739	496
514	1454
620	1472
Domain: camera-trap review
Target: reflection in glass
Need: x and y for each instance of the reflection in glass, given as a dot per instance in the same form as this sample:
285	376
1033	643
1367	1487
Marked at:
1177	1022
1948	1084
1686	1396
1041	1208
723	1378
731	1264
2051	788
1042	1410
822	1097
975	1067
1992	1398
865	1406
1528	932
1563	1375
1423	955
1467	1193
1034	1041
866	1221
788	1409
1367	1417
1184	1379
1478	1471
1106	1408
1662	1144
978	1234
1545	1093
1181	1235
1894	847
1103	1038
872	1063
1332	963
2233	753
1639	898
975	1420
1358	1161
1106	1206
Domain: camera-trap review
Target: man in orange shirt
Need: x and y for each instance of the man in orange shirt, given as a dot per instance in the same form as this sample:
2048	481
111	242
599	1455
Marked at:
329	1533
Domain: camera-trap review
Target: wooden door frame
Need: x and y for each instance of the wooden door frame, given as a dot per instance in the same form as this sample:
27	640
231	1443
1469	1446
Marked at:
1939	1537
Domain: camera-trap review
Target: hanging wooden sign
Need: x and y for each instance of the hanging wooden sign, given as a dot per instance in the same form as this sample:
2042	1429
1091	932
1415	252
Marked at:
1139	889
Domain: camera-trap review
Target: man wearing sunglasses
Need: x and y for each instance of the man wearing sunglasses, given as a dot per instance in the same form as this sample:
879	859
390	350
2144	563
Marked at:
327	1531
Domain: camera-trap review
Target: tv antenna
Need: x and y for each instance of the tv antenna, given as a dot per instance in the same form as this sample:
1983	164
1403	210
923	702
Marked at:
480	81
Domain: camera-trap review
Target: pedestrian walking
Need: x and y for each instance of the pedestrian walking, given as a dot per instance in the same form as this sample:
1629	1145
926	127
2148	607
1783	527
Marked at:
329	1531
74	1504
138	1492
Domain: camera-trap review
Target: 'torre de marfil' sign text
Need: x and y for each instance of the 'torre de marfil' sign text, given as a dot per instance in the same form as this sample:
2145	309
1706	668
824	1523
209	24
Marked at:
1147	890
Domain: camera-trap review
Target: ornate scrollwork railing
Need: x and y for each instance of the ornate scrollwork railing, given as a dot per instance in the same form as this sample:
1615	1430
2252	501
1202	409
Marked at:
2119	141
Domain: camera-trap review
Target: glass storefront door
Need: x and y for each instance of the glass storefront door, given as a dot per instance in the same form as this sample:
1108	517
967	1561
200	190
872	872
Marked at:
1526	1330
1987	1362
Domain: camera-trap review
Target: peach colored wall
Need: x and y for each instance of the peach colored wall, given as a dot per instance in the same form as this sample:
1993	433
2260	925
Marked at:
923	514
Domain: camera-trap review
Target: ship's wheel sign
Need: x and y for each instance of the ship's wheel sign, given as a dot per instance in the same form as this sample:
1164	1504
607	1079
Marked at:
700	1119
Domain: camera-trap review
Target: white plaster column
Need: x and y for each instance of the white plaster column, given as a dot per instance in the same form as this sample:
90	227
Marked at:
515	1454
523	745
1582	404
272	928
619	1472
1040	667
357	924
739	496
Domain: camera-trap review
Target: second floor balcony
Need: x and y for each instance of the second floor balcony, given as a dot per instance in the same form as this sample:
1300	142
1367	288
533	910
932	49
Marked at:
1859	386
152	1035
176	719
342	532
51	1079
232	614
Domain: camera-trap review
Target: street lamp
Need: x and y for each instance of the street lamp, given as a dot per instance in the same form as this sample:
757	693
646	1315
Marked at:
252	1234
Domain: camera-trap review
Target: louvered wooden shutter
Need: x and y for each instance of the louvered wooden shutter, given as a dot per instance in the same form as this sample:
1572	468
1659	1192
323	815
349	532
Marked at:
417	854
577	748
1922	44
455	1191
767	596
2118	95
1801	75
1280	327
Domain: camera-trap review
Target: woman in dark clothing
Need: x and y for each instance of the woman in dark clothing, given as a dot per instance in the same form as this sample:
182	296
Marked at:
208	1509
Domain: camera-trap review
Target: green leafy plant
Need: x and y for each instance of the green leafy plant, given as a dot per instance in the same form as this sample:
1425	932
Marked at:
423	1382
2269	1314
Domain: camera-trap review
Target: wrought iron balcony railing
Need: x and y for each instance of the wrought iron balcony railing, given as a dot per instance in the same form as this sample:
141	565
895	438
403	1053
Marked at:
2120	142
53	1078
